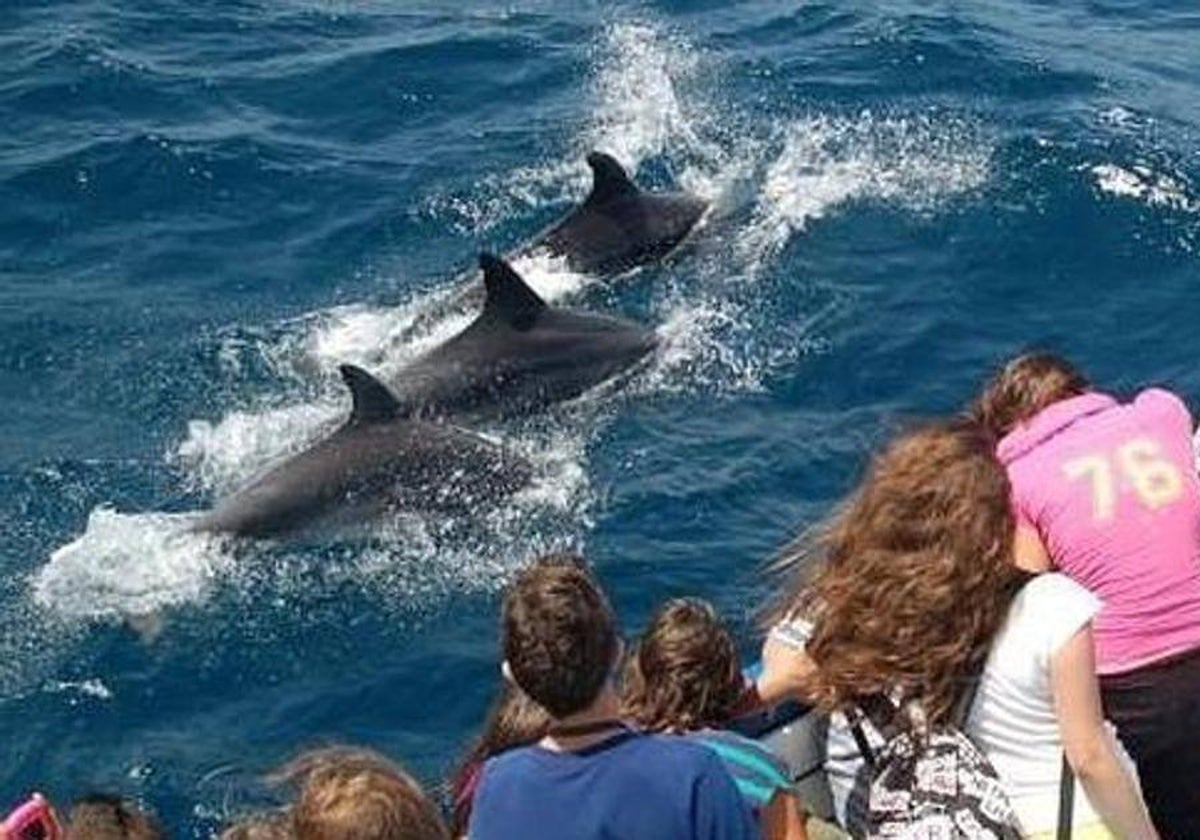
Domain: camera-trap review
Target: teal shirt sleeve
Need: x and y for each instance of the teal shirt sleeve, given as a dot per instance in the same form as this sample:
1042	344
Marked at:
719	811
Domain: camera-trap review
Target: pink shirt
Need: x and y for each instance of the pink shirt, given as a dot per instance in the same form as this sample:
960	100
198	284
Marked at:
1112	490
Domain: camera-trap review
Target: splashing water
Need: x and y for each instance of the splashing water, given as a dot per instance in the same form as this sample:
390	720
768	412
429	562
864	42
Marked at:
130	565
825	162
1142	183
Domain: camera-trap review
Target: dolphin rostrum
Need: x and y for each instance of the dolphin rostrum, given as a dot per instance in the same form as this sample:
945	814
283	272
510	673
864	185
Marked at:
519	355
377	461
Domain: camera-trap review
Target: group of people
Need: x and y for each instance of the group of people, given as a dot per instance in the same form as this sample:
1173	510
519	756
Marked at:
1024	576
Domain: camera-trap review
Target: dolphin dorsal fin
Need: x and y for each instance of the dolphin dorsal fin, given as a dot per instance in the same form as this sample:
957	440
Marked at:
373	402
509	297
609	179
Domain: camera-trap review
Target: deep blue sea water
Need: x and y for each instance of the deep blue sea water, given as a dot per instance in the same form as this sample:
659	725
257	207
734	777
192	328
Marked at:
206	206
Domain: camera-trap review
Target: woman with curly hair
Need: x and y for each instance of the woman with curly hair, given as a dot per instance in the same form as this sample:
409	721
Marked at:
684	678
915	591
1107	493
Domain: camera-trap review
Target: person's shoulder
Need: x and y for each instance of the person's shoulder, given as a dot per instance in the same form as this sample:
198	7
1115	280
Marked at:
1160	400
745	752
678	751
509	764
1052	591
726	741
1054	607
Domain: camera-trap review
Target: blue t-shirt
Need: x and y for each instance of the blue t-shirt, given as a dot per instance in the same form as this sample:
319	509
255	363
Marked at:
630	786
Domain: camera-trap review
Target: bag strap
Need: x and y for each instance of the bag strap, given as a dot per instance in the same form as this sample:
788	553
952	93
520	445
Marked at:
1066	800
861	741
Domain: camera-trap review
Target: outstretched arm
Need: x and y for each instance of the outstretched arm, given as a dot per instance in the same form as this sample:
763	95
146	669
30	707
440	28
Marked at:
787	671
1088	743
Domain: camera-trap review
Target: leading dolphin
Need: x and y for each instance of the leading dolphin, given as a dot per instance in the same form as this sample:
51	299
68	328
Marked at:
519	355
377	461
619	226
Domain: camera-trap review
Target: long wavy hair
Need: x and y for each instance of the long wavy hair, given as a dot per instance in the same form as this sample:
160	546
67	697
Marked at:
913	574
684	673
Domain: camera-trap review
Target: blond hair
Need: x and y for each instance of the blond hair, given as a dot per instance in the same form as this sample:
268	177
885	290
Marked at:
356	794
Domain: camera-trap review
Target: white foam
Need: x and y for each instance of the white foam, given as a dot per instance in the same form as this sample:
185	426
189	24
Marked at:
127	565
826	161
638	111
549	276
1142	183
218	457
93	688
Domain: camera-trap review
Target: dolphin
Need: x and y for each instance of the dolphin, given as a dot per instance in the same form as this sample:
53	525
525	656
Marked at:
519	355
619	226
377	461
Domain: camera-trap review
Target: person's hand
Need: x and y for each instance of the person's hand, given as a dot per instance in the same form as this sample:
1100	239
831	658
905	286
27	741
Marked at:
786	672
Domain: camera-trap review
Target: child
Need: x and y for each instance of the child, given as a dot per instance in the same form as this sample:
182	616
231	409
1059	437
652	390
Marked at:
684	678
356	794
915	588
591	775
100	816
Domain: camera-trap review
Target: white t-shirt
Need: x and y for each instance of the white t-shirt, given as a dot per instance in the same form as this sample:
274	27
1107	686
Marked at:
1012	719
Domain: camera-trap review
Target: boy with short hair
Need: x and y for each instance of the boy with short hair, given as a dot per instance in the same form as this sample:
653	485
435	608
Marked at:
592	775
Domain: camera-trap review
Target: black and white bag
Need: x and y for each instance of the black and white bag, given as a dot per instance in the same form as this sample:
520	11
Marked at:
930	784
939	784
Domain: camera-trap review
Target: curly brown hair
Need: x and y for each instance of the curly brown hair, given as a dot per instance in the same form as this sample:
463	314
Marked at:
915	574
1022	388
684	673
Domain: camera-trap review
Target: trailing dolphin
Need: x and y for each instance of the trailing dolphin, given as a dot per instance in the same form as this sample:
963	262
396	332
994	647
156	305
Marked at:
377	461
518	355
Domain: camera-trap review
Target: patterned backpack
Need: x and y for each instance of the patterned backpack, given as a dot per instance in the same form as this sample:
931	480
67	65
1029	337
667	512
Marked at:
930	785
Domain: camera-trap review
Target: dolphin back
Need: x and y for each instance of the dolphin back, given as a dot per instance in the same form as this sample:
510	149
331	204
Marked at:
377	462
621	226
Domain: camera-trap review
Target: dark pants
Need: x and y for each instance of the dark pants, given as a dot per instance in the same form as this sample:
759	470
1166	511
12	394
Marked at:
1157	713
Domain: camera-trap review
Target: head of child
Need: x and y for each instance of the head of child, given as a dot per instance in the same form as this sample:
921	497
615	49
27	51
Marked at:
684	673
353	793
1024	387
101	816
559	637
916	572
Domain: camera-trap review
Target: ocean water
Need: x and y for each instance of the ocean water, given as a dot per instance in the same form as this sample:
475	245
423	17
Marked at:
205	207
